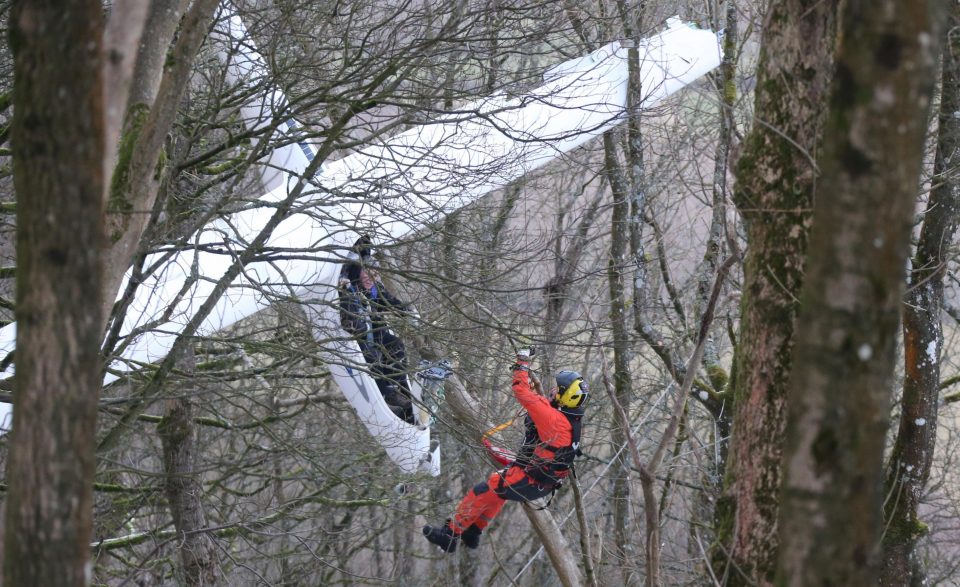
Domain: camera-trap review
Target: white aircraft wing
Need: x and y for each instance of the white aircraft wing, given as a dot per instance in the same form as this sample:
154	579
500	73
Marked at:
415	178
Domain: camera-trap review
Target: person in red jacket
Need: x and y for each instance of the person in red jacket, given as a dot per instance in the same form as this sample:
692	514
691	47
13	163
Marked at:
551	442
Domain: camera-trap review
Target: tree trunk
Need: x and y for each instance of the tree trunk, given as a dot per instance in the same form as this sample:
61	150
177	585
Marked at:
774	194
635	216
153	109
839	396
701	530
183	491
616	269
58	149
909	467
725	79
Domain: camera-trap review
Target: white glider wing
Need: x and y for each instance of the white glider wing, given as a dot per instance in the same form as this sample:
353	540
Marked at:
415	177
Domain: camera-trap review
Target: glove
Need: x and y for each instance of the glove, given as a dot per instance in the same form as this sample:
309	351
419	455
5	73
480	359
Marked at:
523	359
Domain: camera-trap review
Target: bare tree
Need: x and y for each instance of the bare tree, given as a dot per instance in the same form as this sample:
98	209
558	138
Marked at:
58	135
258	471
839	399
774	195
909	465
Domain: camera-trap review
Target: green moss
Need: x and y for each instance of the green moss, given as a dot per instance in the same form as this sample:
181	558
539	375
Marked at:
904	531
220	364
174	429
718	377
119	200
116	488
723	516
730	91
222	167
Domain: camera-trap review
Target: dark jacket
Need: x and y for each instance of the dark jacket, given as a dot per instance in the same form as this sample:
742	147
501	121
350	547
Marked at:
363	313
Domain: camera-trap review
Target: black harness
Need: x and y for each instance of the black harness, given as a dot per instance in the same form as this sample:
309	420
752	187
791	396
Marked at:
546	471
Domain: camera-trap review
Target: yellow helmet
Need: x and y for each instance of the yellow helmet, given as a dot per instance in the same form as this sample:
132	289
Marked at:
572	390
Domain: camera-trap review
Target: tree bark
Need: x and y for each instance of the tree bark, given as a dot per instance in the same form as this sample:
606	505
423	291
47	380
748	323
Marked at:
632	215
839	397
909	466
616	268
58	150
121	39
183	491
774	194
725	79
136	180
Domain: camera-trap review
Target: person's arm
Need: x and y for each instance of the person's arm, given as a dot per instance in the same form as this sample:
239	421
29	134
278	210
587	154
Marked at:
351	318
387	300
552	426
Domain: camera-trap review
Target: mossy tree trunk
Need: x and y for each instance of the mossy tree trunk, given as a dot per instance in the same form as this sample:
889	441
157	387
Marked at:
617	267
909	466
160	79
58	137
637	214
839	398
774	194
716	246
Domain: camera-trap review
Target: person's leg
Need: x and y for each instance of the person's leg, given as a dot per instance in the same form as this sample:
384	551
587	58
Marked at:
393	367
481	504
477	509
394	361
441	536
523	488
484	502
374	359
383	375
399	403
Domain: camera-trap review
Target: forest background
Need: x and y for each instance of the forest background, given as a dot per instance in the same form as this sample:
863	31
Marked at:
773	393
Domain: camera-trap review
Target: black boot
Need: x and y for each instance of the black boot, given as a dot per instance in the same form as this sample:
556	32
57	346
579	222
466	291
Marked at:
399	404
471	536
442	537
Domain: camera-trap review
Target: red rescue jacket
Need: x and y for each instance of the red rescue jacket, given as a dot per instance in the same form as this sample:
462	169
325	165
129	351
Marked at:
556	432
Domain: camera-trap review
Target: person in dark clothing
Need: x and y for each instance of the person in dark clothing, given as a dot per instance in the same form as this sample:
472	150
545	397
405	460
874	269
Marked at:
551	442
364	305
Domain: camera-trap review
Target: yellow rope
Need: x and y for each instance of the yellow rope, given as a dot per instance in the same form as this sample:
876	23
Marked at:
498	428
